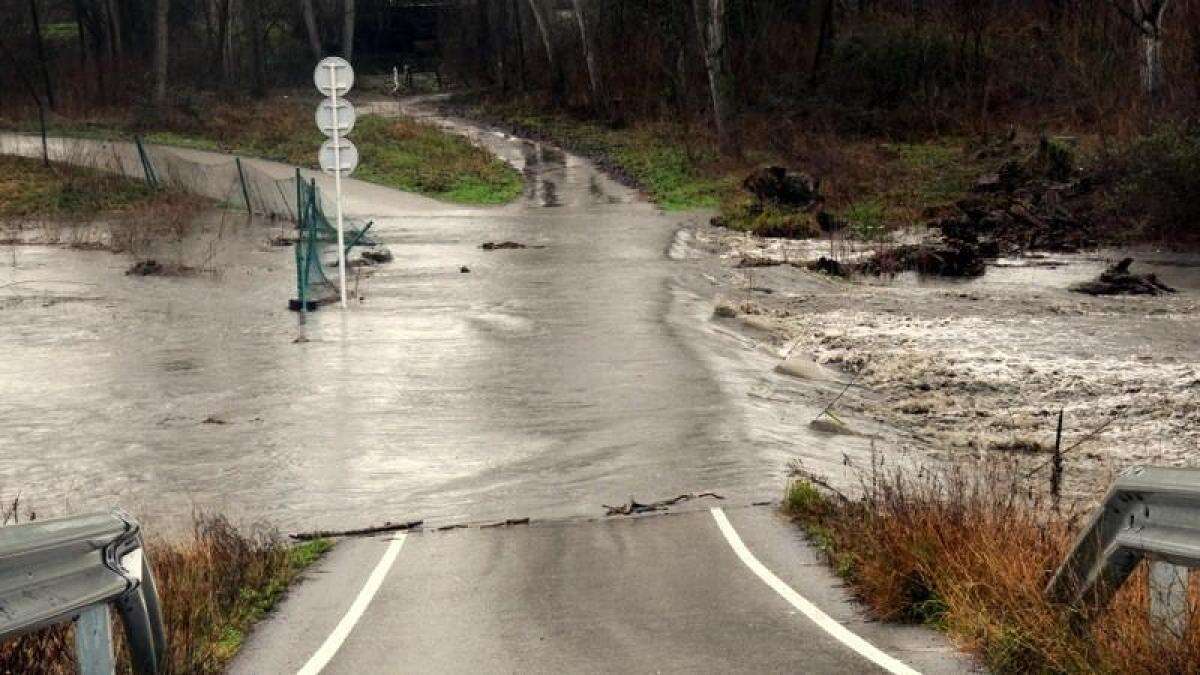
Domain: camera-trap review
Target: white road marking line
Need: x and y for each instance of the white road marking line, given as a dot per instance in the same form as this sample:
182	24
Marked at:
823	620
340	632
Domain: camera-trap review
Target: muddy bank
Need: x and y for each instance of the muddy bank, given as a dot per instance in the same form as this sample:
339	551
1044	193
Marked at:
971	367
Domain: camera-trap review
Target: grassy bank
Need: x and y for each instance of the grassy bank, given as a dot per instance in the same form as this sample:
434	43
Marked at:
214	585
396	152
868	182
29	189
1120	190
969	554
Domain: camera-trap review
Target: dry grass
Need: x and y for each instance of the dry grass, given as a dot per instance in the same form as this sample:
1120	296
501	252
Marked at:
214	585
969	553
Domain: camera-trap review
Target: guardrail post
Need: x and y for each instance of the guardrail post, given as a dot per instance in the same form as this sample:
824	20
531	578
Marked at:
1169	611
93	642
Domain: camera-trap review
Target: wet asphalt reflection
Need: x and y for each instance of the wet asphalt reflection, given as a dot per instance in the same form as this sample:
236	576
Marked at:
543	382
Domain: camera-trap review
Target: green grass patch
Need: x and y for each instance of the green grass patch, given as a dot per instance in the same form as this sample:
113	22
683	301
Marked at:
927	174
676	172
254	602
28	189
411	156
396	152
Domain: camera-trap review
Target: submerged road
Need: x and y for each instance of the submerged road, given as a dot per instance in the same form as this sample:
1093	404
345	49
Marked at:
543	383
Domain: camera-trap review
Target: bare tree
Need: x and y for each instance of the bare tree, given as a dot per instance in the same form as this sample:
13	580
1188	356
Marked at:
40	45
710	24
310	25
162	12
115	39
258	39
348	30
539	17
589	53
229	60
1147	17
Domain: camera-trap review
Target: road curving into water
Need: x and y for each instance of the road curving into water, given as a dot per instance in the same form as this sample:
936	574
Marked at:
466	386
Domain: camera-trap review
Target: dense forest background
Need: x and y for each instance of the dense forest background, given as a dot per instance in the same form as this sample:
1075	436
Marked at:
868	66
735	82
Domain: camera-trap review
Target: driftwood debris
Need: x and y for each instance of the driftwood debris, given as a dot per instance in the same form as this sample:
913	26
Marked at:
1118	280
636	507
362	532
505	246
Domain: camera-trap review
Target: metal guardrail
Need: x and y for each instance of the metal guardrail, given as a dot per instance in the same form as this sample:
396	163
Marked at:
1149	513
74	569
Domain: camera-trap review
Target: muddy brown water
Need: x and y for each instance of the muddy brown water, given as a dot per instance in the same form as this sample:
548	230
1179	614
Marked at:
545	382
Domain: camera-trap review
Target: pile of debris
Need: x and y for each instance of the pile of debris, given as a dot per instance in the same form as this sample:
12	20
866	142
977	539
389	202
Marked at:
1118	280
1043	202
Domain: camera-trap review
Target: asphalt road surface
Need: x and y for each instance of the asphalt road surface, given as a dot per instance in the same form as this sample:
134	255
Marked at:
650	594
544	383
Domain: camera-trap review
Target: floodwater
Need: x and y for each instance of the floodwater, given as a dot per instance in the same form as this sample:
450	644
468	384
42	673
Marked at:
543	382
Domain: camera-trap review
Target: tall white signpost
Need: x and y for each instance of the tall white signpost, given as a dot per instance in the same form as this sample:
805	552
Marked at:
335	117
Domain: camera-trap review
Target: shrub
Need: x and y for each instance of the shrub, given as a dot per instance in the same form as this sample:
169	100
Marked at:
213	586
1160	177
970	551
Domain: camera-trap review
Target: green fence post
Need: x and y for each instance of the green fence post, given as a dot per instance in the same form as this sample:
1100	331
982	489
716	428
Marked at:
245	191
147	167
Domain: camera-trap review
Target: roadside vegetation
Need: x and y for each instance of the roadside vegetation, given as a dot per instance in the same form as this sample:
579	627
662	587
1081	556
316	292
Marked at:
397	152
969	552
31	190
897	109
214	585
677	166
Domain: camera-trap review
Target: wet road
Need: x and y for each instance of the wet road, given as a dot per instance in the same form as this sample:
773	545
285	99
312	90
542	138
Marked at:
544	382
683	593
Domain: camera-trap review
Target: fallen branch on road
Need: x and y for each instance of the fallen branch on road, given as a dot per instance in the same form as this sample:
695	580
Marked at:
635	507
377	529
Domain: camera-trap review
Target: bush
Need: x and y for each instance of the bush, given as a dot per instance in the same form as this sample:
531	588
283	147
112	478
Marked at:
213	586
746	214
1160	177
970	551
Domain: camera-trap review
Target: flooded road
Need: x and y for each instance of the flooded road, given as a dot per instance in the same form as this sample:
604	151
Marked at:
543	382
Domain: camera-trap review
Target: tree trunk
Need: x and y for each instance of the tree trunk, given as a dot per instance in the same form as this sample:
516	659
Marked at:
519	31
348	30
710	23
37	100
257	56
83	48
599	101
40	46
1147	16
1152	69
544	30
228	57
114	32
824	37
310	25
162	12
